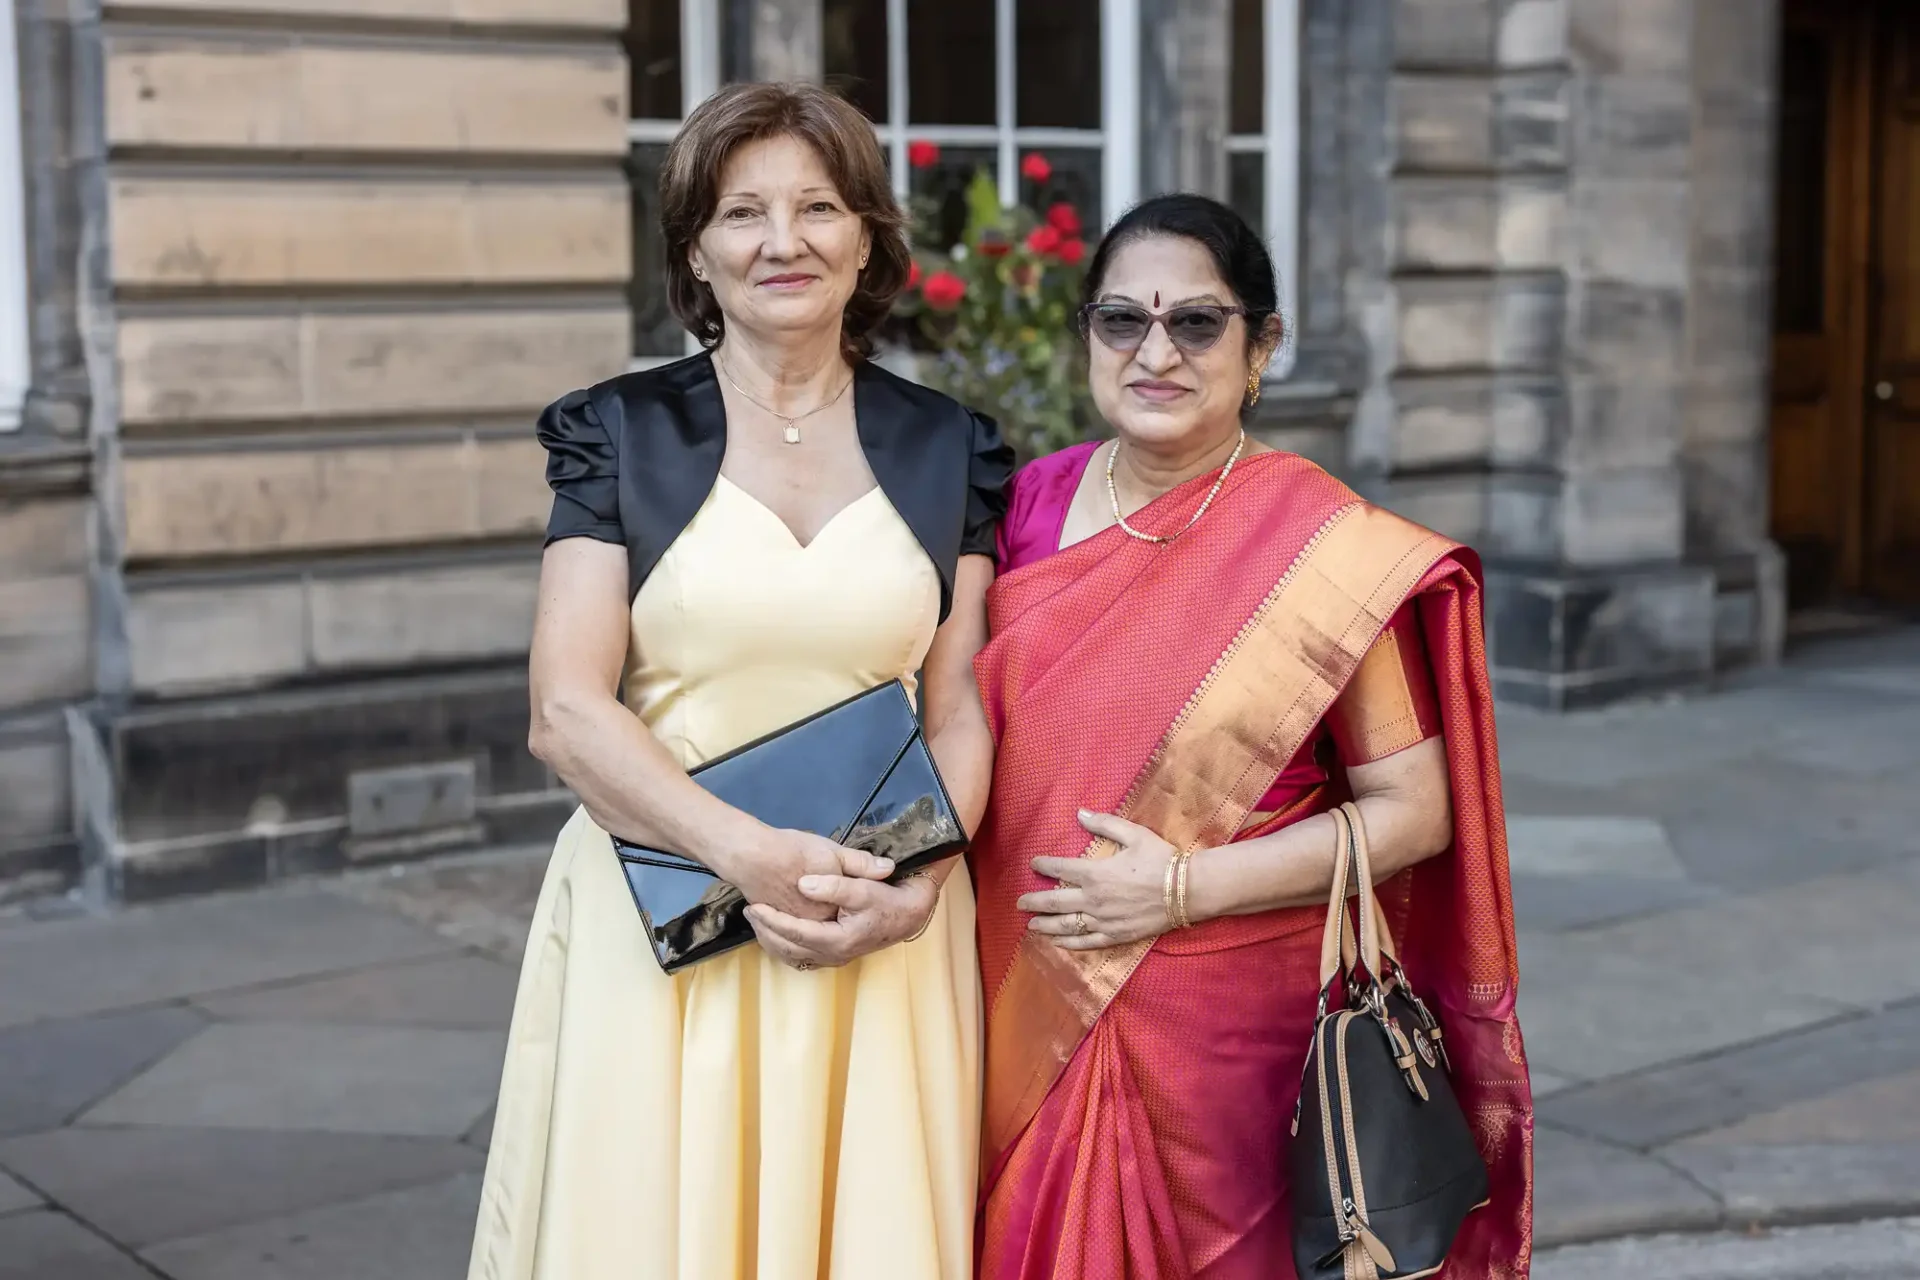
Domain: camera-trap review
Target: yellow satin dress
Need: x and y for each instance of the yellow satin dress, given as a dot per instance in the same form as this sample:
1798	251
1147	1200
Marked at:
741	1119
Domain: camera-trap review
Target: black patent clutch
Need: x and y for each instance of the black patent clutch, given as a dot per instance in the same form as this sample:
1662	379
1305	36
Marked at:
858	773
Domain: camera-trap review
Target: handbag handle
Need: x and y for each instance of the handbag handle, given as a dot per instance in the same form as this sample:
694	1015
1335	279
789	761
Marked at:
1353	868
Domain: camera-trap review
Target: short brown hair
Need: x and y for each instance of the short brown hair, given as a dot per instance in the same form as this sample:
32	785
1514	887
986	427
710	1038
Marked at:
846	145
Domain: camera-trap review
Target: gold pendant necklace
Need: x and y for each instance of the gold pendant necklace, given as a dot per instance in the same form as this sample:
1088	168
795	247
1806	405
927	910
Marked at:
1113	494
791	432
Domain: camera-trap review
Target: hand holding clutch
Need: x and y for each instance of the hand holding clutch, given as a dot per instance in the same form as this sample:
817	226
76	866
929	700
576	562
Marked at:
870	917
769	871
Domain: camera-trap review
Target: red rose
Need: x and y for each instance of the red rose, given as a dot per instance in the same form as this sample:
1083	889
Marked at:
913	273
922	154
1035	168
994	247
1044	240
943	290
1065	219
1072	251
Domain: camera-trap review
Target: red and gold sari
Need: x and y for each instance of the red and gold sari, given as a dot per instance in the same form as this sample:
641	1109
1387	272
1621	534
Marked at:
1138	1099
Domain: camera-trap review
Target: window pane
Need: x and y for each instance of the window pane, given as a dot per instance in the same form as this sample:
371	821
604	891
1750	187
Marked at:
1057	51
1246	81
653	59
655	331
950	68
943	186
1246	188
1075	180
855	33
1800	187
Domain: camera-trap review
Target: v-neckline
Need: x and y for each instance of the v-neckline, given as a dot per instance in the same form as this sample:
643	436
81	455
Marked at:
786	528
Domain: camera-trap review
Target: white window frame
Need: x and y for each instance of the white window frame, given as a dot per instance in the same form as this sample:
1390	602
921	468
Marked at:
1003	135
16	354
1118	138
1278	145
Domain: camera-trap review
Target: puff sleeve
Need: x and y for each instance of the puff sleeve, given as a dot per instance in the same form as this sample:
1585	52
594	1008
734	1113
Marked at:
583	470
989	469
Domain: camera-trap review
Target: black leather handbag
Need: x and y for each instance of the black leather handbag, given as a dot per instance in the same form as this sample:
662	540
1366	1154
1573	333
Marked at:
1382	1164
858	773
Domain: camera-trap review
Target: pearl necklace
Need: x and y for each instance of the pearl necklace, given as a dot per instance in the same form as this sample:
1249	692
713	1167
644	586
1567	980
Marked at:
1113	495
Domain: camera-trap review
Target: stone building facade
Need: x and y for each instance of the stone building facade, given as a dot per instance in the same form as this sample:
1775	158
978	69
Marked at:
298	273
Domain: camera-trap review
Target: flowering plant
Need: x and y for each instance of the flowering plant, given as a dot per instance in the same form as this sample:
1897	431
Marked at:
992	310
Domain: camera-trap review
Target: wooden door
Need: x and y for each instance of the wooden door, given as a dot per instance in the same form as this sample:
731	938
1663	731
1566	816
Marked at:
1821	242
1846	346
1892	438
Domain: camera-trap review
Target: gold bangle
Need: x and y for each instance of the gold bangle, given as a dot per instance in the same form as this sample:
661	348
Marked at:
928	922
1181	919
1166	889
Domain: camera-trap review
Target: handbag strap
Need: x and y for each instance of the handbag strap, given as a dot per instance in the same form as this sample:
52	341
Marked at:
1353	874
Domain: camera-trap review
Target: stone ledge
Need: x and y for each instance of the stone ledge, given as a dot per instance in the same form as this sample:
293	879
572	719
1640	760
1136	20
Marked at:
219	793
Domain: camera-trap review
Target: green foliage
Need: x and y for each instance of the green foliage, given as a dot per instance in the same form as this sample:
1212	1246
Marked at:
994	314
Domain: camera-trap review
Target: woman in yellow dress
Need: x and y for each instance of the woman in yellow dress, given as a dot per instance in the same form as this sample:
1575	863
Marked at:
739	540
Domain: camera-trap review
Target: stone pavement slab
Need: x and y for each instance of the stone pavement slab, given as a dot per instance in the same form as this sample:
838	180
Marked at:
51	1071
1587	1190
427	1082
42	1244
1666	1104
1864	1251
143	1186
1592	1007
415	1234
446	991
1780	1183
482	900
154	954
1874	1111
14	1197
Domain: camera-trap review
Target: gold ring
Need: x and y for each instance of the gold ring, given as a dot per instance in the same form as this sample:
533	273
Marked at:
1081	925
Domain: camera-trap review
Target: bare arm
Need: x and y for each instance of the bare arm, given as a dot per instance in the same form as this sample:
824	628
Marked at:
957	731
630	784
1404	800
1406	804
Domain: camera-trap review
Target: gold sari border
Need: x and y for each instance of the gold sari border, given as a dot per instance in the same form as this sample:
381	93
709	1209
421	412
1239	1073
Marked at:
1215	762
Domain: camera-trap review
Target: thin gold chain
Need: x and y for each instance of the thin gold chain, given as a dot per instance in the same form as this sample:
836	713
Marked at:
792	423
1113	494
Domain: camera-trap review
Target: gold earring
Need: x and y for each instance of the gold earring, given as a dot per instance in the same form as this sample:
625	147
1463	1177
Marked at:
1253	387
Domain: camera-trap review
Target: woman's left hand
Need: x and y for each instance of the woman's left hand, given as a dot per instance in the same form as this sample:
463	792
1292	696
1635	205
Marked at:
871	915
1104	902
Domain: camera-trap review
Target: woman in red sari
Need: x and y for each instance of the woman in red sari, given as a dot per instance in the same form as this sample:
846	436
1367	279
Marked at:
1200	646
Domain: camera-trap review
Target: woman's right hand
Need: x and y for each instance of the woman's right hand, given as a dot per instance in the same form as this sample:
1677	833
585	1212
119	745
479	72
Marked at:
768	868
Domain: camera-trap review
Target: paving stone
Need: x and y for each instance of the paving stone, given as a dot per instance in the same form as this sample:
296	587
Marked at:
1586	1190
1576	847
1575	902
407	1235
45	1245
1886	743
448	991
1545	1082
1874	1111
1593	1007
1701	1095
155	954
142	1186
484	901
1782	1183
340	1079
51	1071
14	1197
1856	1251
1844	938
481	1135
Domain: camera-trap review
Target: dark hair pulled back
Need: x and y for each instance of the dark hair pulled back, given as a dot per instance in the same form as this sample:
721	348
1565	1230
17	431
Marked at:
1238	253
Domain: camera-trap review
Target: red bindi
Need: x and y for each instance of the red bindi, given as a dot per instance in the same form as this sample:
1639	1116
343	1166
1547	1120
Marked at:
1156	299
